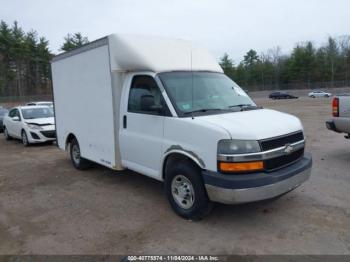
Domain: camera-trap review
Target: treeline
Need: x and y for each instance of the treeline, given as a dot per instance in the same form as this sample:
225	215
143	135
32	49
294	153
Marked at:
305	65
25	60
25	63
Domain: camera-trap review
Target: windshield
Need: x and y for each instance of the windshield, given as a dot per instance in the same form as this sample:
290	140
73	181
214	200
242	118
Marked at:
42	112
195	91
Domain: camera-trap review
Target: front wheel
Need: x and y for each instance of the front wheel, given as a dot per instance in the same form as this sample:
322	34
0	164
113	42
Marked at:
186	192
77	161
25	141
6	134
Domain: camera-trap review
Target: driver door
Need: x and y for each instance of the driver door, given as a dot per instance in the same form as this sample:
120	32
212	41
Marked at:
141	135
18	124
14	126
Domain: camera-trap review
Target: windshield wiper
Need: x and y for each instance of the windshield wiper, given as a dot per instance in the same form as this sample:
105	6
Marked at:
245	107
203	110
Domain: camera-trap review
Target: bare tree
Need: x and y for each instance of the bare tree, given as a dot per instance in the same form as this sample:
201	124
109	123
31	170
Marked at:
344	49
276	54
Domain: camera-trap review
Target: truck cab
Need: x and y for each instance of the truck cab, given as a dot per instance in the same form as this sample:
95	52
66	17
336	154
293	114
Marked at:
167	111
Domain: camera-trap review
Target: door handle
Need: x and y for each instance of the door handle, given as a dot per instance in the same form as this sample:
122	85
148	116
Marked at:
124	122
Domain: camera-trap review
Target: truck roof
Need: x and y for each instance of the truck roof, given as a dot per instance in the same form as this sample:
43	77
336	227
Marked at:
150	53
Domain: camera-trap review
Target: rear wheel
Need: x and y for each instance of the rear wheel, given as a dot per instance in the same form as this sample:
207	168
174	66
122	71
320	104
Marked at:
186	192
25	141
77	161
6	134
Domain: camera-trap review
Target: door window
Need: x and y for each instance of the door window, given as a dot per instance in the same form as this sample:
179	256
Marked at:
13	113
145	97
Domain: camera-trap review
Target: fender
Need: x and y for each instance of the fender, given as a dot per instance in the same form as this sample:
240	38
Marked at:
179	150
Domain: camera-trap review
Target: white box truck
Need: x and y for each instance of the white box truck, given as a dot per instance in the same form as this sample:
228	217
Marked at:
164	108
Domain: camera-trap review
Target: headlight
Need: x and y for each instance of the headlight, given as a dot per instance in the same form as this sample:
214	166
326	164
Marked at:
230	147
31	126
233	147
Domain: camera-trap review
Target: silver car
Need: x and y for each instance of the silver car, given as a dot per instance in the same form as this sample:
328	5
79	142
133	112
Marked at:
315	94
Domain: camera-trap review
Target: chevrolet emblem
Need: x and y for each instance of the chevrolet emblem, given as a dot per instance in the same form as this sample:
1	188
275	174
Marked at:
288	149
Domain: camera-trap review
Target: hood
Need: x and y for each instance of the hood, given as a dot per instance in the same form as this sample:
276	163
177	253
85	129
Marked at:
255	124
41	121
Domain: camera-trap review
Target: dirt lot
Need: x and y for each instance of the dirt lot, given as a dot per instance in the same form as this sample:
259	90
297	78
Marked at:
47	207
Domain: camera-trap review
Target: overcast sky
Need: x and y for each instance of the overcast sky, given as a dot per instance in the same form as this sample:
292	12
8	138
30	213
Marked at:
232	26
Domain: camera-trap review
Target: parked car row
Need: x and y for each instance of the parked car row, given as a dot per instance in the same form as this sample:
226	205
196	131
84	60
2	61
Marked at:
286	95
32	124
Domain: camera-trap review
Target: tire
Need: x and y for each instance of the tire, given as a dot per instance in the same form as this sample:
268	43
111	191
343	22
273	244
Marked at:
25	141
312	96
77	161
185	190
6	134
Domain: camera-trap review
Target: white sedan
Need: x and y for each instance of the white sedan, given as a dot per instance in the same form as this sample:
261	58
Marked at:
31	124
40	103
315	94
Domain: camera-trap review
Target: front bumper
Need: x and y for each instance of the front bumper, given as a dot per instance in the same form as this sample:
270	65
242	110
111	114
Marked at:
41	136
236	189
331	126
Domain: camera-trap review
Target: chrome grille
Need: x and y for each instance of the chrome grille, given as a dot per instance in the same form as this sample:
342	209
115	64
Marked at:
275	142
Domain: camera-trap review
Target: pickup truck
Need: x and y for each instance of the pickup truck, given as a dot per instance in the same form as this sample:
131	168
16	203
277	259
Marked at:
165	109
340	121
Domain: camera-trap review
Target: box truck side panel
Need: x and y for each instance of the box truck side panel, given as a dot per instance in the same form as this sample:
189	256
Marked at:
83	103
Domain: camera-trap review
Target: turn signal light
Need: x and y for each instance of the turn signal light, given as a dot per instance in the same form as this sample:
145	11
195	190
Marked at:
241	167
335	107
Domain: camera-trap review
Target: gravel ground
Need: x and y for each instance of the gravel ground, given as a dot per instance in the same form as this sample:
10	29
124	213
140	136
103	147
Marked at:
48	207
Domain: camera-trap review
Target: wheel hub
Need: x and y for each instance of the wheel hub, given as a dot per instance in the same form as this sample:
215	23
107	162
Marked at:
182	191
76	154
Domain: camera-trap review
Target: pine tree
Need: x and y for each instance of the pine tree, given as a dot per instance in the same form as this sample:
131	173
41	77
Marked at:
74	41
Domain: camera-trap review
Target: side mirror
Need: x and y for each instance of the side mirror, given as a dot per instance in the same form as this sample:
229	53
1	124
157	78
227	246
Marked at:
148	104
15	118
